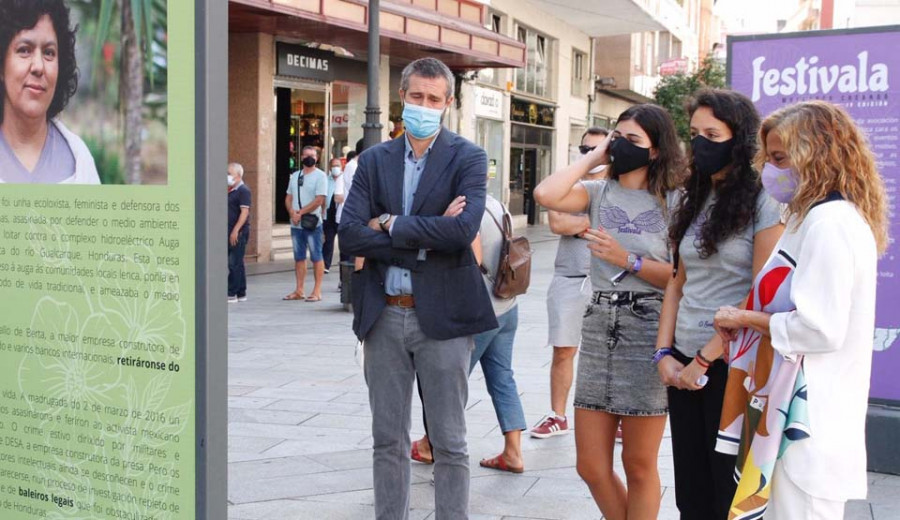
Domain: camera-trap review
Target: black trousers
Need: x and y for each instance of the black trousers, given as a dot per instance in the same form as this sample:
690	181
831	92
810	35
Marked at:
704	478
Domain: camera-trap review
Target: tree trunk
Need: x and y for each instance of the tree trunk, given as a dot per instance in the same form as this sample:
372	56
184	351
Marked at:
132	94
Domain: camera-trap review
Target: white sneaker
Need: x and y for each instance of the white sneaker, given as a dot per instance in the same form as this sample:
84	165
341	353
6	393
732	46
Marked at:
242	298
232	299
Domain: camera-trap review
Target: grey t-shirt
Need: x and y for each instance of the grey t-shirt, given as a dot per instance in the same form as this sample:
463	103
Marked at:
721	279
573	258
637	221
56	164
491	245
314	184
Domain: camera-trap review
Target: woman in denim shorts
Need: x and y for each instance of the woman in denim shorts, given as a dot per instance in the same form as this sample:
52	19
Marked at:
630	265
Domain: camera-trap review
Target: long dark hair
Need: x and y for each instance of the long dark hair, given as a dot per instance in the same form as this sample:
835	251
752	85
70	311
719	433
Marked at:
666	171
20	15
736	194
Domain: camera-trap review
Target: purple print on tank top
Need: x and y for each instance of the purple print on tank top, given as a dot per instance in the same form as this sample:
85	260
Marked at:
614	217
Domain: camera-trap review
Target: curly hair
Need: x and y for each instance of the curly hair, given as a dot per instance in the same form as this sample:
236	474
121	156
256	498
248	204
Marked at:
664	173
21	15
829	153
737	193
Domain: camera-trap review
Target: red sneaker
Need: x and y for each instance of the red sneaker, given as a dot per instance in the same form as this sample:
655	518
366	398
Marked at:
550	426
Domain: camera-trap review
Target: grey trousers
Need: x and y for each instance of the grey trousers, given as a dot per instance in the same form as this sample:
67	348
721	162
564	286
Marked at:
396	352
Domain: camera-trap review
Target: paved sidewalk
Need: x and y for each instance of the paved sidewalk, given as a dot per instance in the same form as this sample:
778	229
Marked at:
299	425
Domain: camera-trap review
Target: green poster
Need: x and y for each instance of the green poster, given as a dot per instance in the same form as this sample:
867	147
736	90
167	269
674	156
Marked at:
97	260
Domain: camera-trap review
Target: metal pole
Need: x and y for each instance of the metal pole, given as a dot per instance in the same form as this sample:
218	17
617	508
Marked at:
372	127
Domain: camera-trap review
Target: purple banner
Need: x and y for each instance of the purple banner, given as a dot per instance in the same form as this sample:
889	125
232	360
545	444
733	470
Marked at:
861	72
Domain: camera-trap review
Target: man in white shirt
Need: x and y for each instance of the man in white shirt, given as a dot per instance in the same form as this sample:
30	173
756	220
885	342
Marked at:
342	188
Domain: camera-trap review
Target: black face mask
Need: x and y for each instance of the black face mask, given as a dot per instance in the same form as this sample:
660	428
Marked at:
710	157
309	162
627	156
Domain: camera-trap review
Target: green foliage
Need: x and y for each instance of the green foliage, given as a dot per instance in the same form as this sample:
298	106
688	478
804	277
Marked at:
107	160
674	91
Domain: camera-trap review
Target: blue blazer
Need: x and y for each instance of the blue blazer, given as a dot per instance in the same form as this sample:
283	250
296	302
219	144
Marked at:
451	297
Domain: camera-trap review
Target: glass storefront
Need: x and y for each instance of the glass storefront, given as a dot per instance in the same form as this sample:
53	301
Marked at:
489	135
348	113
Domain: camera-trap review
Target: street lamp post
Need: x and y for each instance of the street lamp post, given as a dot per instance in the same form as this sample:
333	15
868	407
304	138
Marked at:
372	127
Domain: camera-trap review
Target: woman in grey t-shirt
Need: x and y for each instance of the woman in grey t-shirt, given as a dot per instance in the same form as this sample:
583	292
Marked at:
724	228
616	383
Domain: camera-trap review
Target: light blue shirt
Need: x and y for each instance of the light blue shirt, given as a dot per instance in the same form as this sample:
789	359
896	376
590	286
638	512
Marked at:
314	184
398	280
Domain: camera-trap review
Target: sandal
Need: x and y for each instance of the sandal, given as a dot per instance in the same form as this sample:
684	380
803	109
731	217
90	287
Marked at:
500	464
294	296
418	457
313	299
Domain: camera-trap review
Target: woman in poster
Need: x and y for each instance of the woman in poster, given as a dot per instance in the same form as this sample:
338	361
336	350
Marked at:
38	76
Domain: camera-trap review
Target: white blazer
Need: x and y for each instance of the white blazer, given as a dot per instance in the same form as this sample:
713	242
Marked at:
833	291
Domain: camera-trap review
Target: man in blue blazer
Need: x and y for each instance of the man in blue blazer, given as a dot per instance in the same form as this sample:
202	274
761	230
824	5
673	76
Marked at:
414	210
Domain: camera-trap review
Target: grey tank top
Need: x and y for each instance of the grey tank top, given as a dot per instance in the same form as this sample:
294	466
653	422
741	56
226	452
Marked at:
56	164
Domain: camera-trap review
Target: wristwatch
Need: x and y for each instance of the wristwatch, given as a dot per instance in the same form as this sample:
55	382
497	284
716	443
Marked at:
636	268
383	219
630	261
661	353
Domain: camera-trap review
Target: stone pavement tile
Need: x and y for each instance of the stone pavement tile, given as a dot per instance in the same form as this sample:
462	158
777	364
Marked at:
243	472
308	394
259	378
346	422
557	487
268	416
858	510
309	447
319	407
238	444
260	490
500	485
339	460
248	402
237	390
299	510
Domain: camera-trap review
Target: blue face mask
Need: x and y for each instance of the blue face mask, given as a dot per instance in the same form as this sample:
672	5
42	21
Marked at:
421	122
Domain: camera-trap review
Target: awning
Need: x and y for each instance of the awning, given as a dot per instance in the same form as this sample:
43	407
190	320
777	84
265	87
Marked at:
407	32
600	18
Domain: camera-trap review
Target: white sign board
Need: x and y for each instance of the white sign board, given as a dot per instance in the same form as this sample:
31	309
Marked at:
488	103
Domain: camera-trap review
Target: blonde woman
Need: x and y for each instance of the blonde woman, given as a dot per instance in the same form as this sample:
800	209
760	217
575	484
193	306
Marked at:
801	352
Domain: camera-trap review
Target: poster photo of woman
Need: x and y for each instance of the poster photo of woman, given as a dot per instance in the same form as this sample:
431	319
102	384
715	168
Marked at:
83	92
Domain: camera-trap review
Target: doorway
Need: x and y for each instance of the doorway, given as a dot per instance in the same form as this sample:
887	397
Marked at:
522	181
300	120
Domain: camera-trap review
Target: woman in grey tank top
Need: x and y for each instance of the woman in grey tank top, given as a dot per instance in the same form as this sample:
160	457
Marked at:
724	230
616	382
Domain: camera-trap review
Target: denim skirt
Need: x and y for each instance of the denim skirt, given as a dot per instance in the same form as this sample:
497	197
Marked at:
618	339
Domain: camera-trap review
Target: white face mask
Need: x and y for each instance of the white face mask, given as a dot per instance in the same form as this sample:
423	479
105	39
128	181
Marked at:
231	181
335	171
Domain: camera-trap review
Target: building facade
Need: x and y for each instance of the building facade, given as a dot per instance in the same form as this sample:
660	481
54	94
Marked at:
531	78
585	64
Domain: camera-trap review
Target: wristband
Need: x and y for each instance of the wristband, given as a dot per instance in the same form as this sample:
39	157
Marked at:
637	264
703	358
661	353
700	362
